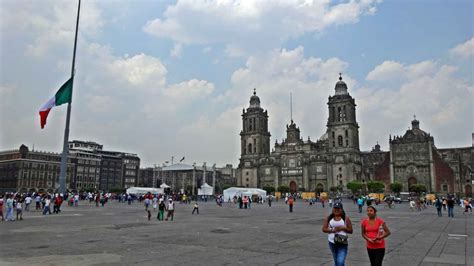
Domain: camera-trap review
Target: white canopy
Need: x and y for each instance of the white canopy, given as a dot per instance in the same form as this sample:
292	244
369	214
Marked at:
144	190
241	191
206	190
164	185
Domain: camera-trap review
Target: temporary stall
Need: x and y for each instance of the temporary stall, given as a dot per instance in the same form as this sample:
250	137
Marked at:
241	191
206	190
164	186
144	190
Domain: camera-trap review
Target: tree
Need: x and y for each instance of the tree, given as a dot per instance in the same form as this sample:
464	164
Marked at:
333	189
283	189
418	188
396	187
354	186
319	189
375	186
269	189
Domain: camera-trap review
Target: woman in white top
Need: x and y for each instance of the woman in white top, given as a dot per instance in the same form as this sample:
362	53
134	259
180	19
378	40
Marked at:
337	223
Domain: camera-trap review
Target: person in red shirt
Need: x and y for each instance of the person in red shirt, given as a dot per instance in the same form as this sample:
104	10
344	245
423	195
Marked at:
290	203
374	230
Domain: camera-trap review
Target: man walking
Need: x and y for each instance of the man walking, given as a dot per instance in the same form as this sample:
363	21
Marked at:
170	210
450	204
439	205
161	210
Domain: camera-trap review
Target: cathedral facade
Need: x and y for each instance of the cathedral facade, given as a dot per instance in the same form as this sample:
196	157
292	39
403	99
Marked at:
302	165
335	159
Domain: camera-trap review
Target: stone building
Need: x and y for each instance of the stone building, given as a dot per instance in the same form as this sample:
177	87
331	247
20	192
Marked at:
87	158
333	160
188	178
28	170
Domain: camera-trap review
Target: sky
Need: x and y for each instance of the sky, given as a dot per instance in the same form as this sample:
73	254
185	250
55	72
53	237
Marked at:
169	79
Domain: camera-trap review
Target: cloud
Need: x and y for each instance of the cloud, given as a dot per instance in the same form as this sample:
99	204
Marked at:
252	25
141	70
433	91
189	89
392	70
277	73
464	50
177	50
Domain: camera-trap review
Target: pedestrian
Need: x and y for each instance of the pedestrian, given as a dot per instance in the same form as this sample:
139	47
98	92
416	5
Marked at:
19	210
439	204
450	204
467	206
360	204
196	207
149	214
155	203
28	200
337	225
270	200
291	201
147	203
47	203
9	208
38	202
161	210
170	210
374	230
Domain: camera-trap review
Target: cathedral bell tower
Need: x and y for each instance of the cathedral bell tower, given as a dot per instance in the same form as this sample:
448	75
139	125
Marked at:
343	136
254	141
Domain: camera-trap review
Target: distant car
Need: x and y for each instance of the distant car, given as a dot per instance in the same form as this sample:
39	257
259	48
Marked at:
397	200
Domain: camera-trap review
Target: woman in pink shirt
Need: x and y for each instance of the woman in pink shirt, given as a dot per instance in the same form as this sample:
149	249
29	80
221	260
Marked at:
374	230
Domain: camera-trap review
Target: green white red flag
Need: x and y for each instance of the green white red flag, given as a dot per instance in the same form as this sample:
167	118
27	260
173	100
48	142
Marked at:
63	95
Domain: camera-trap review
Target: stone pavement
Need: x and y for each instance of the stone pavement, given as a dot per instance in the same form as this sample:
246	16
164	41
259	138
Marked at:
119	234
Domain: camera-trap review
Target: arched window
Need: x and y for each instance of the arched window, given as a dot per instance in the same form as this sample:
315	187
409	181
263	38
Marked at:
245	144
250	148
339	141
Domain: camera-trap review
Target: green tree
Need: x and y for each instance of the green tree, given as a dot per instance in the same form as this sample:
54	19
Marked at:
269	189
418	188
396	187
375	186
283	189
117	190
354	186
319	189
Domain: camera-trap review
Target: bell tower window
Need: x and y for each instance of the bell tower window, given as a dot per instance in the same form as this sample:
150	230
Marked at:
339	141
250	148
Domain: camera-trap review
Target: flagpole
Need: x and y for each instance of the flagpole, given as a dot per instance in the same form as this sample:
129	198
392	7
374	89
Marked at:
63	170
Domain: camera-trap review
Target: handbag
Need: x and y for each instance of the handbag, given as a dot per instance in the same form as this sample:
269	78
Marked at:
340	239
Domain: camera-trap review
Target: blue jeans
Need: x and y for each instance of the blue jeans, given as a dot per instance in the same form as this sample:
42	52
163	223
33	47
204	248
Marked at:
450	212
339	253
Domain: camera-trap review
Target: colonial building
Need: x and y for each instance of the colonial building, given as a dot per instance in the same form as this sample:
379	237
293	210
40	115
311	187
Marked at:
335	159
87	158
188	178
28	170
414	159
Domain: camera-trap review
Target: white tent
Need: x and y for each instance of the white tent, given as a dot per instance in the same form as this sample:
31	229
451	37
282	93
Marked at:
206	190
144	190
164	185
242	191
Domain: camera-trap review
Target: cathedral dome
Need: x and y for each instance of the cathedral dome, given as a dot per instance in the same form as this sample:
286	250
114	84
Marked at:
254	100
341	87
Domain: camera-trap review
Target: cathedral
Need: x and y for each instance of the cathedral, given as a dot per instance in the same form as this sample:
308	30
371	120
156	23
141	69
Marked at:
335	159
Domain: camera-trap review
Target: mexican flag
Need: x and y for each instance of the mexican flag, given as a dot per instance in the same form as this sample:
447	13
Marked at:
63	95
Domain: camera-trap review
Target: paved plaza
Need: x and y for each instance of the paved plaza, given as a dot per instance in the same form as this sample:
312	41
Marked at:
121	234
